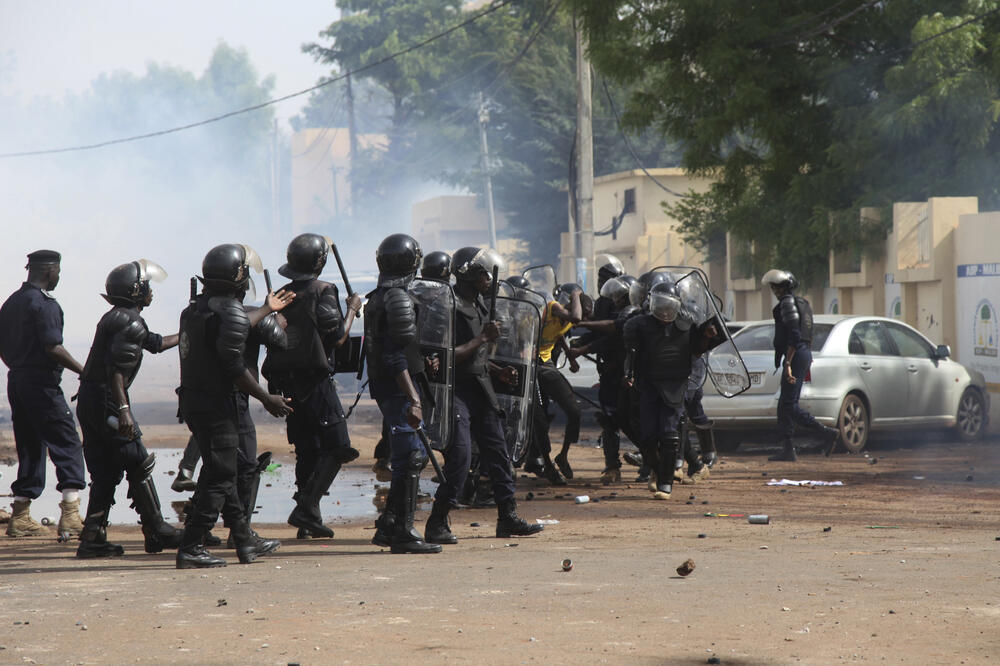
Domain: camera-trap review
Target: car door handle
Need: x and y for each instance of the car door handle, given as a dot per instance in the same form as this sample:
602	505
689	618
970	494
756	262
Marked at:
865	366
912	368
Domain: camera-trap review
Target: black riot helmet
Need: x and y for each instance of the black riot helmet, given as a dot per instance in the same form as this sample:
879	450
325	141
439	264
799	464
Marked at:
518	282
306	257
437	266
226	268
780	279
616	290
640	289
664	301
610	267
469	263
128	284
398	255
564	293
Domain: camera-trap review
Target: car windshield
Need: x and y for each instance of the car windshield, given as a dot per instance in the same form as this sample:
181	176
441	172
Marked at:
761	338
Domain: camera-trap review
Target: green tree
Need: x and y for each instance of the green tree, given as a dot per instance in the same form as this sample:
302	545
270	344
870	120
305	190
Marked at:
521	60
807	110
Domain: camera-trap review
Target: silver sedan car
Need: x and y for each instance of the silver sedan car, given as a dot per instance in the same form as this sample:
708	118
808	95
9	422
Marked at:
868	373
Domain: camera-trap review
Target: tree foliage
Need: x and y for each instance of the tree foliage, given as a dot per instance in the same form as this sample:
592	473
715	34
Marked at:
807	110
522	60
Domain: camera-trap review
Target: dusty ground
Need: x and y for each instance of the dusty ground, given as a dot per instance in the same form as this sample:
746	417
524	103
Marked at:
908	572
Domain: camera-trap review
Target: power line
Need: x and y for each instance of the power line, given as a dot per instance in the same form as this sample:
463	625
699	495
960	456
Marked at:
499	4
628	144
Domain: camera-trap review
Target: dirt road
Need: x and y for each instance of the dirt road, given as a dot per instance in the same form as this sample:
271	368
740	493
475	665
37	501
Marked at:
907	572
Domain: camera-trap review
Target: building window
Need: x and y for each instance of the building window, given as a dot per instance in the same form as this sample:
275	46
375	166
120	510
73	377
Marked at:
629	201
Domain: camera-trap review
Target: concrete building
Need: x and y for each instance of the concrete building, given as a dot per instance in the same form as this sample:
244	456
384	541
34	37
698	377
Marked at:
630	222
320	167
452	221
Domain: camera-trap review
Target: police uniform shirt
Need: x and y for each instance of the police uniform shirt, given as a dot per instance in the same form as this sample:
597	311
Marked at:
30	321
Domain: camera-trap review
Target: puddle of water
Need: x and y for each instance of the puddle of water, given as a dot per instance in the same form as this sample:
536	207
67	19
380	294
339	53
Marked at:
352	496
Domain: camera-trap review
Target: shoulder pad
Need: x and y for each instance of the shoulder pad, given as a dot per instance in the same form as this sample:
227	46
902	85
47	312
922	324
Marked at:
118	318
126	343
789	312
270	333
401	316
328	314
234	325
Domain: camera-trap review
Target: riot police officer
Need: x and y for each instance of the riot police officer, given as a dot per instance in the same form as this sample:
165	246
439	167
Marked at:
658	361
477	411
112	441
793	329
213	335
395	365
31	345
304	372
436	266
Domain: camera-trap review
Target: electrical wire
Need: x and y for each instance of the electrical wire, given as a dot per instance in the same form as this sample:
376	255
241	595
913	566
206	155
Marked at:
497	5
628	144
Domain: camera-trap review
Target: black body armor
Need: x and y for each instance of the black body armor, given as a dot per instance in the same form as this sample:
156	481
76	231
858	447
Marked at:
661	351
213	336
121	336
391	315
315	323
792	313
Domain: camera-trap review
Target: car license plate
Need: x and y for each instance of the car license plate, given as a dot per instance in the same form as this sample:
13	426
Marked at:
756	378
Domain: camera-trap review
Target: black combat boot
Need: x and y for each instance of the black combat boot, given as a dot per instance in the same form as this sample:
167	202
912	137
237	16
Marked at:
184	481
306	513
510	524
707	439
249	546
438	529
246	489
405	539
667	463
94	538
385	524
787	452
192	554
156	532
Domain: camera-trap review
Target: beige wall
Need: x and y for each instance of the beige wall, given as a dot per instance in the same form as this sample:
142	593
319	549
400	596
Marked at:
647	237
320	164
450	222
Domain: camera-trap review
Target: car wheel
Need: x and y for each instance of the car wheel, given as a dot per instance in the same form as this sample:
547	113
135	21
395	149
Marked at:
971	415
853	423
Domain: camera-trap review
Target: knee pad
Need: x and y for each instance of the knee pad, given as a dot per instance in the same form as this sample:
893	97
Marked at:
416	461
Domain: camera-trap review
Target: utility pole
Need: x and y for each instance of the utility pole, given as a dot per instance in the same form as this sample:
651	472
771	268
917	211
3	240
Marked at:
275	181
585	269
353	149
484	118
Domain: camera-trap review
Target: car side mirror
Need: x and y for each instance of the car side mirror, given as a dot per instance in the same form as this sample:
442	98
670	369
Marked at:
942	351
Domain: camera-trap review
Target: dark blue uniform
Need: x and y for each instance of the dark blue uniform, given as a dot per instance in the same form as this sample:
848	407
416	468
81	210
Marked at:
30	321
793	326
477	414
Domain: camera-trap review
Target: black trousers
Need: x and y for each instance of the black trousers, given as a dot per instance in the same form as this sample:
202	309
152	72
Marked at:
317	426
109	455
474	417
218	440
556	387
246	456
43	423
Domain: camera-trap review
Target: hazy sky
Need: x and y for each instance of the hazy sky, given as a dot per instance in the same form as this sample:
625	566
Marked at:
59	46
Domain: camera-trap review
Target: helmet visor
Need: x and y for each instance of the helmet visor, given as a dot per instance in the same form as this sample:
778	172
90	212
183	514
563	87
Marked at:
615	290
611	260
151	271
637	294
664	306
489	259
776	276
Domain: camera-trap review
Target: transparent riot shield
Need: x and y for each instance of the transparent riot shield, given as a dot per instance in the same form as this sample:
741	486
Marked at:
435	330
699	308
517	347
542	279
